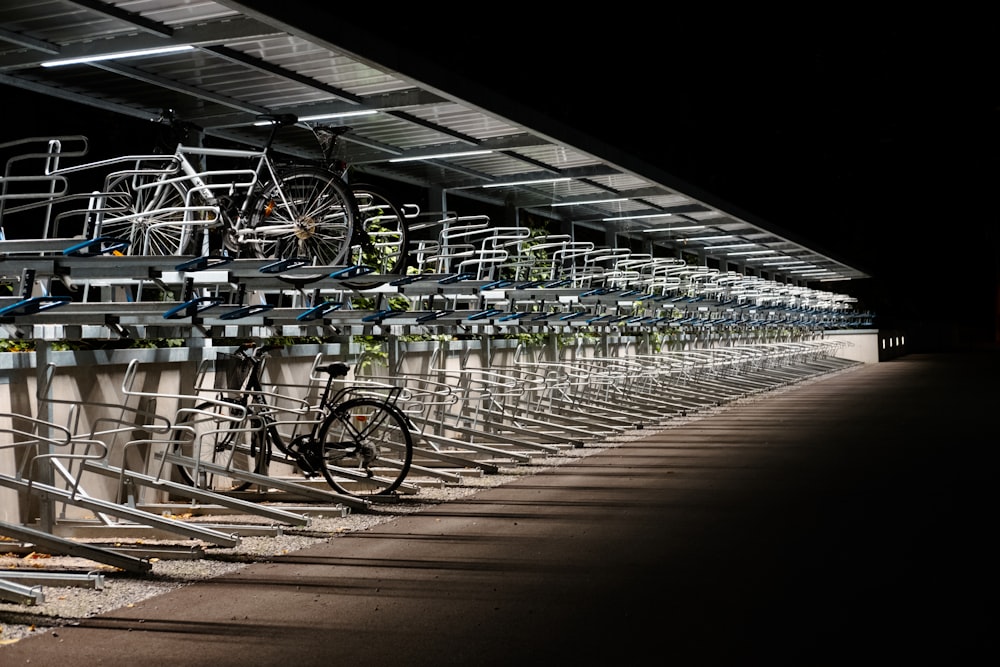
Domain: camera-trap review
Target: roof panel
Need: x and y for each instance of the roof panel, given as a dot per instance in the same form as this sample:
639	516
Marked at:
247	63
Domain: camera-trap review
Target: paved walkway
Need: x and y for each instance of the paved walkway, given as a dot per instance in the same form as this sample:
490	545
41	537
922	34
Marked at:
843	521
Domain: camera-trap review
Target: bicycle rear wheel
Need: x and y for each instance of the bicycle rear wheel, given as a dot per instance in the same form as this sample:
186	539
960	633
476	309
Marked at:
153	216
367	447
209	437
307	214
384	244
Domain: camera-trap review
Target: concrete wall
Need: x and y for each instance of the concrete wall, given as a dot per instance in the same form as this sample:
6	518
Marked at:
869	345
79	389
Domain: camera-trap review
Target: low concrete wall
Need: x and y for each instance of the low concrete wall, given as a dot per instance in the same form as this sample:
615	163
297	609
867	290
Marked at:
869	345
80	389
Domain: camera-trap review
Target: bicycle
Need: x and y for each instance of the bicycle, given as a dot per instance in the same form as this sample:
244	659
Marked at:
360	442
254	206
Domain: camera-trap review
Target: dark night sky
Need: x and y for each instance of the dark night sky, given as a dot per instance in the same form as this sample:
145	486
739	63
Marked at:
868	139
871	140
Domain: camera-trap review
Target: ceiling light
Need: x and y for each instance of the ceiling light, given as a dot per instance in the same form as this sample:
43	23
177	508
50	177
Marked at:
685	228
787	262
339	114
138	53
645	216
730	245
438	156
813	272
537	181
753	252
589	201
711	238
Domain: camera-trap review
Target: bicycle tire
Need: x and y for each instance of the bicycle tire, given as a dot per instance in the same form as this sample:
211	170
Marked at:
367	447
220	444
384	247
308	213
153	216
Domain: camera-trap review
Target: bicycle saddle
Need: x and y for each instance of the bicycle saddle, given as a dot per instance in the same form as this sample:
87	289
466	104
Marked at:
336	369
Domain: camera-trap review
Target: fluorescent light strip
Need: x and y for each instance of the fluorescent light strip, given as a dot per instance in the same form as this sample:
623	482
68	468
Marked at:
539	181
589	201
730	245
645	216
438	156
121	54
711	238
339	114
685	228
753	252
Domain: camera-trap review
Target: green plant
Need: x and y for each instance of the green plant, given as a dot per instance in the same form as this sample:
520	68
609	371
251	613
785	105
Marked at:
373	352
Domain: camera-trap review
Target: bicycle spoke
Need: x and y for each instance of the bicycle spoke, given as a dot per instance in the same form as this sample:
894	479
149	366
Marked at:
153	216
306	214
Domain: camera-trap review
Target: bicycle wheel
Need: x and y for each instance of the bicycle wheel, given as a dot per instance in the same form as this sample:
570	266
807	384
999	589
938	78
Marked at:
367	447
208	436
307	214
153	216
384	244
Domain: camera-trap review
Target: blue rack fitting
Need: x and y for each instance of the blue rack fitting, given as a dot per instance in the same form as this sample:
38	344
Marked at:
427	317
96	247
352	272
283	265
246	311
458	277
406	280
382	315
318	311
483	314
203	263
496	284
192	307
35	304
599	291
514	316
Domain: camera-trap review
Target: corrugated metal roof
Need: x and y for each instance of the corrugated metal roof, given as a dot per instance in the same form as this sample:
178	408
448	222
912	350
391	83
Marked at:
243	64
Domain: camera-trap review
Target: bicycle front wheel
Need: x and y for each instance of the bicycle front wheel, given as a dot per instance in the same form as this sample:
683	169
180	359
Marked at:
307	214
152	215
367	447
209	447
383	245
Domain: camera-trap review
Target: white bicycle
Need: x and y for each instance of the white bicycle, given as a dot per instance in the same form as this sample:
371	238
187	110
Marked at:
250	205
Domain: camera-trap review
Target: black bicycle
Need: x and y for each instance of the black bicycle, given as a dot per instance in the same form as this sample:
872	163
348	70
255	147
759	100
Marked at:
355	436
